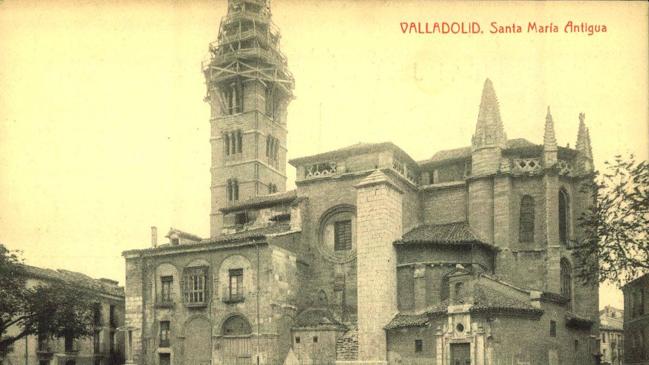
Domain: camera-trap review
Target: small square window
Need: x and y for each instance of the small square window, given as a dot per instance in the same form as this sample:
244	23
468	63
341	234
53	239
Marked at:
297	339
553	329
419	345
315	339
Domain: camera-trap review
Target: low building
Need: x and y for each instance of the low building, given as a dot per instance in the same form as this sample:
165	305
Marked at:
105	347
636	321
611	321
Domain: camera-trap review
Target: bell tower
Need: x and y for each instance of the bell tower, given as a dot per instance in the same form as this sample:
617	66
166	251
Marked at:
248	88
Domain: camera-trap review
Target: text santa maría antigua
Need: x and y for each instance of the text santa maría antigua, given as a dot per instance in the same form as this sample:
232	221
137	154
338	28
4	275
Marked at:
497	28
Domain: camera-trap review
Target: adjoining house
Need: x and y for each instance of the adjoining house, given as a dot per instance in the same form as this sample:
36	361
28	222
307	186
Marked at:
105	347
636	321
611	328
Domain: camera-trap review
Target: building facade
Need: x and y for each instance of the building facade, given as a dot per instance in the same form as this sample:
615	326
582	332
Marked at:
374	258
636	321
105	347
611	321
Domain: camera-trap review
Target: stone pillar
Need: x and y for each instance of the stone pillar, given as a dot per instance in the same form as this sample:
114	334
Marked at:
502	207
379	224
551	185
481	207
419	277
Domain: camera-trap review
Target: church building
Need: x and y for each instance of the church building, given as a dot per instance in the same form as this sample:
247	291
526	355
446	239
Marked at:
375	258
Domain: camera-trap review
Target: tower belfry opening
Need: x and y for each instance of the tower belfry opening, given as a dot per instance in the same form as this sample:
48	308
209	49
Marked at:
249	88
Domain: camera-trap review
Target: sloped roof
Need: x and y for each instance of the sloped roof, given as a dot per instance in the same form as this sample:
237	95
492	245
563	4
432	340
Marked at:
574	320
407	320
252	233
74	278
354	149
263	201
465	152
317	317
487	299
458	233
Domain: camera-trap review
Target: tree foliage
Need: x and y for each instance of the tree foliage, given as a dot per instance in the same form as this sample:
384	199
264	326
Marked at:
51	308
615	247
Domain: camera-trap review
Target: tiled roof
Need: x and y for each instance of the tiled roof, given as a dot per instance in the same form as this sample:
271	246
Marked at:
251	236
354	149
611	328
487	299
74	278
457	233
465	152
403	320
574	320
262	201
407	320
252	233
311	318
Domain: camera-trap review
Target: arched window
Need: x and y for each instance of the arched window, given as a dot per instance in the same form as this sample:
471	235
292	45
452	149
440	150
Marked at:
566	279
226	141
233	190
564	216
526	224
443	289
236	326
239	141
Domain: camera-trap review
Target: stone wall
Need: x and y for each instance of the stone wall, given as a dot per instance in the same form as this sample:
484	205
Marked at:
379	206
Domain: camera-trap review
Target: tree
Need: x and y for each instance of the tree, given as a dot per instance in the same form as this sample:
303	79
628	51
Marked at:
51	309
615	247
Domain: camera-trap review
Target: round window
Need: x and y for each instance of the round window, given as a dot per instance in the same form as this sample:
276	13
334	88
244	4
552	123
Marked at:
460	327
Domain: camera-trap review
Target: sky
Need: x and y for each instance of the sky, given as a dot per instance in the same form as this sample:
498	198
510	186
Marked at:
104	132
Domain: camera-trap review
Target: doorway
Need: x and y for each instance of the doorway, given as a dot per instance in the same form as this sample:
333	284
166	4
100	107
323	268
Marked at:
460	354
165	359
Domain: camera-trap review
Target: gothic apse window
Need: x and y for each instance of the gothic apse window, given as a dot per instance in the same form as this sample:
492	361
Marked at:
566	278
564	216
526	220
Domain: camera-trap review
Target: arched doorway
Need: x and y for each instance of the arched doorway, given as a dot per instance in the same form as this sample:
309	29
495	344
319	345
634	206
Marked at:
198	342
237	342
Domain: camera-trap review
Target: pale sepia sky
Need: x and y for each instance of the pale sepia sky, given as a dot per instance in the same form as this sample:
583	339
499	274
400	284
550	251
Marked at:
103	131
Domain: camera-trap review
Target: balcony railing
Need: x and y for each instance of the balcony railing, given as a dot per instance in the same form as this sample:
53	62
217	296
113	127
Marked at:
164	301
229	298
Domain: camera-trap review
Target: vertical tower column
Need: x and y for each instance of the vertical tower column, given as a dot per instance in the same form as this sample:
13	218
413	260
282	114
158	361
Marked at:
551	185
379	224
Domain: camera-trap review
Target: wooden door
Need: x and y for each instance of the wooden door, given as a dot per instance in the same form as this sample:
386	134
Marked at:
460	354
237	350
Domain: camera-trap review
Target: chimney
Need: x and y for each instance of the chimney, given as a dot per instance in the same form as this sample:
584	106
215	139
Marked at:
154	236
